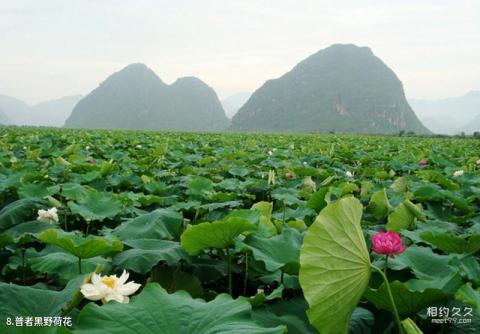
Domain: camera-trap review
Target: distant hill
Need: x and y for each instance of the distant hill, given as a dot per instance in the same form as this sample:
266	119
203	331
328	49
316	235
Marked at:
472	126
136	98
4	119
230	109
449	116
15	110
234	102
343	88
48	113
54	112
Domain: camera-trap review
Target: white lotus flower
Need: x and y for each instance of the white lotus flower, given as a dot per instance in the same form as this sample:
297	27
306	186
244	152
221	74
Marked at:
50	215
106	288
87	147
349	174
458	173
138	146
270	153
478	162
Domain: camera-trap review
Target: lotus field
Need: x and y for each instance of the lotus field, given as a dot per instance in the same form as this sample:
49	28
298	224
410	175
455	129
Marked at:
146	232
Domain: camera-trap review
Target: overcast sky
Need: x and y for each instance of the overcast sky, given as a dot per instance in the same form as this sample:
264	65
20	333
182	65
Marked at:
53	48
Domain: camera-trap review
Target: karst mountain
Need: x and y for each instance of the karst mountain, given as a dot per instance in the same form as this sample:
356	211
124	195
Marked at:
343	88
136	98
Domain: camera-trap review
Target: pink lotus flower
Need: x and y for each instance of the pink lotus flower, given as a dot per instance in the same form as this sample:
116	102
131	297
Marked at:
423	162
91	161
387	243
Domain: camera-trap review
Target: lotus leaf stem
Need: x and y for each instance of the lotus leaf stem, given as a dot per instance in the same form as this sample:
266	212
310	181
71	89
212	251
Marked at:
392	301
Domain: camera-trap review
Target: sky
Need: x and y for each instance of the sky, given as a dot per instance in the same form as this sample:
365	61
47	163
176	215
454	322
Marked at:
54	48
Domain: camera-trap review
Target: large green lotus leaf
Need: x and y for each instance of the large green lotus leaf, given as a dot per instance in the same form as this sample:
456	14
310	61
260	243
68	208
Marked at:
37	190
422	261
260	297
404	216
5	240
287	196
252	216
449	283
146	253
303	171
239	171
461	327
429	192
361	321
469	296
317	200
408	302
220	205
290	313
25	232
299	225
19	212
445	213
156	311
9	182
334	265
416	210
200	186
379	204
158	224
471	268
74	191
234	185
219	234
434	193
82	247
401	218
400	185
148	200
449	243
264	208
281	251
432	270
347	188
435	176
265	226
121	180
173	279
63	264
97	206
16	301
458	201
155	187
